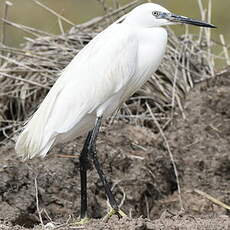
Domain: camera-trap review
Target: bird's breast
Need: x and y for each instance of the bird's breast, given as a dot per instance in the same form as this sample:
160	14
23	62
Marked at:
152	46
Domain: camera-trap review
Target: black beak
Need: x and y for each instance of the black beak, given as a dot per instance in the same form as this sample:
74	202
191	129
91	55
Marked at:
181	19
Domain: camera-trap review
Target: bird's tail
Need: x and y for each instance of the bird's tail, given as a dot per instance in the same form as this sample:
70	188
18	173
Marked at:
36	139
32	142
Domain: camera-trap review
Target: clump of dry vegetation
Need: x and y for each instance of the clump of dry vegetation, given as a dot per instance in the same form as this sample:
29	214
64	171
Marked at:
27	73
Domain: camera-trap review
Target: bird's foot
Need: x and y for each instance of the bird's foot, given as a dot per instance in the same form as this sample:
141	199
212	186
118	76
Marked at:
112	212
82	221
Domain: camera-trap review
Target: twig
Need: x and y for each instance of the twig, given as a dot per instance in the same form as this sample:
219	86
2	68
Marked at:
226	54
37	202
123	197
202	12
147	207
104	6
5	14
174	90
211	198
116	4
209	38
24	80
33	31
66	156
18	63
170	154
53	12
61	26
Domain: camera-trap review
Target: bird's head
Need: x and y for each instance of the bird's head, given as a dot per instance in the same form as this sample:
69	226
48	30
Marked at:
154	15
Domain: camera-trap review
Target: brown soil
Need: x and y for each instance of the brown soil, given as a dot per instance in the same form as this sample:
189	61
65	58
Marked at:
137	162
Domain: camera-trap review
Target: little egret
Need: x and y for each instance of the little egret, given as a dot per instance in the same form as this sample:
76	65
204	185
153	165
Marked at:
109	69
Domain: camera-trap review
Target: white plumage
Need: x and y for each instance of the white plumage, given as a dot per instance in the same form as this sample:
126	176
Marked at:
98	80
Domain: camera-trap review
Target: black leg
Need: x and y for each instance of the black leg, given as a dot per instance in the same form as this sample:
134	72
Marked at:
92	150
102	176
84	163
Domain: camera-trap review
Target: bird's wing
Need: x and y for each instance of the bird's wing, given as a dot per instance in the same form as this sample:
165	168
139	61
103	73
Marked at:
100	70
103	67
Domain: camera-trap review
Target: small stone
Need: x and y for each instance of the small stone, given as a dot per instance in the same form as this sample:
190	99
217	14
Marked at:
50	225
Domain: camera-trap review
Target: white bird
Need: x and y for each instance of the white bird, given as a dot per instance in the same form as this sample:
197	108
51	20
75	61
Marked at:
109	69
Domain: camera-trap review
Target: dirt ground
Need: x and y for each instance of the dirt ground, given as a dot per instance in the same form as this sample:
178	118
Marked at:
137	163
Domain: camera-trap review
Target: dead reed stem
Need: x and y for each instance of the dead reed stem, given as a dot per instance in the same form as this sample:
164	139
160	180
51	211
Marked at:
170	155
3	31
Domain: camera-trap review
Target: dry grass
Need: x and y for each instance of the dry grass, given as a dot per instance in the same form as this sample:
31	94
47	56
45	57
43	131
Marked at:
26	74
